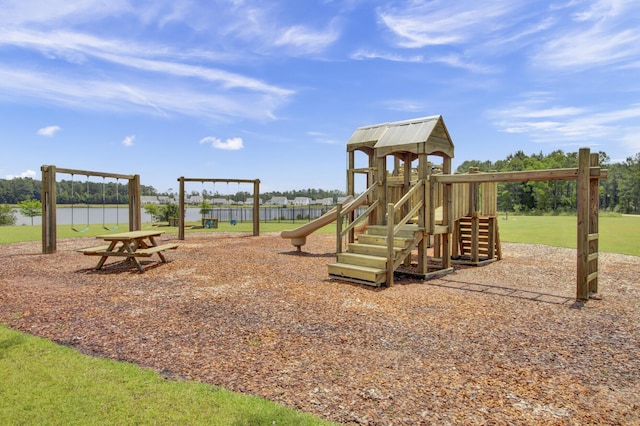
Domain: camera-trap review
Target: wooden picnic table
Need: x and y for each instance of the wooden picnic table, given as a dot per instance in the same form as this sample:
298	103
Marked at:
130	245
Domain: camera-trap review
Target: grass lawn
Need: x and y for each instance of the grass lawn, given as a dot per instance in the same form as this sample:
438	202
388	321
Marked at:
618	234
43	383
15	234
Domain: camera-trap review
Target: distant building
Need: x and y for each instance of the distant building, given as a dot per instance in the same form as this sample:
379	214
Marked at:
220	202
149	199
278	201
301	201
194	200
324	201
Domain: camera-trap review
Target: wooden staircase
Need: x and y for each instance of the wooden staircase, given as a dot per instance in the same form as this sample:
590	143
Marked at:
365	261
487	244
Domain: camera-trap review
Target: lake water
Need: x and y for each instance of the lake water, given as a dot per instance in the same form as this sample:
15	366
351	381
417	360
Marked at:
81	216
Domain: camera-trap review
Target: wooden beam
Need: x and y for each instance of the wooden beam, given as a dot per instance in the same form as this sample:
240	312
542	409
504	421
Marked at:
523	176
93	173
218	180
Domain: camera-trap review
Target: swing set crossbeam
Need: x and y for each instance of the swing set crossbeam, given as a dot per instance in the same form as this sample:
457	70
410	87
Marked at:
203	180
93	173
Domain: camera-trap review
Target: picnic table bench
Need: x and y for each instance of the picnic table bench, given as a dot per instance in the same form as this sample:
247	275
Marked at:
130	245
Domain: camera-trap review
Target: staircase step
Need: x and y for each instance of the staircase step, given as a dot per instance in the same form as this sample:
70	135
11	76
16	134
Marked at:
374	276
407	231
381	240
363	260
370	249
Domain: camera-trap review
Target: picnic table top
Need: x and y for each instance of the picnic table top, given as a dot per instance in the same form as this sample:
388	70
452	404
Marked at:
132	235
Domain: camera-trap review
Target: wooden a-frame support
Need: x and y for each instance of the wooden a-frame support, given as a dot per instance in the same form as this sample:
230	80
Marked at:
49	233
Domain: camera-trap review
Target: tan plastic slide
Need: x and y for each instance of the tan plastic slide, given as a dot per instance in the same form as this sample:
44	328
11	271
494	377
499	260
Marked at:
299	235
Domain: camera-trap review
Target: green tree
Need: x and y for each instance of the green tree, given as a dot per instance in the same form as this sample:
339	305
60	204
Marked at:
629	185
30	208
7	215
205	208
168	210
153	210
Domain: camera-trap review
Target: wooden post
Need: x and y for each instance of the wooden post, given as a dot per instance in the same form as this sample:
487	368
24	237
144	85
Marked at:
390	238
491	238
135	214
256	208
49	225
338	229
351	189
447	207
594	201
423	175
181	211
582	285
475	237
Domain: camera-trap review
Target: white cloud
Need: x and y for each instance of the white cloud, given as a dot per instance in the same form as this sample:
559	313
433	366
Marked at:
387	56
145	57
451	59
305	40
596	34
137	76
25	174
15	12
322	138
406	105
128	141
231	144
137	96
440	22
48	131
559	124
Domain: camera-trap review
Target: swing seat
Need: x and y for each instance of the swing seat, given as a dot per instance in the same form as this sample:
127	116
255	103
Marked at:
80	230
233	222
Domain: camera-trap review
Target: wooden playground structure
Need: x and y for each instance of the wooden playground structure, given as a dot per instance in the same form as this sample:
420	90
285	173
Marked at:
409	206
49	222
256	200
418	204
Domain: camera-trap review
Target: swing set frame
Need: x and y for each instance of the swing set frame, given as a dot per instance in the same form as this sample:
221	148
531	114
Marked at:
49	223
256	200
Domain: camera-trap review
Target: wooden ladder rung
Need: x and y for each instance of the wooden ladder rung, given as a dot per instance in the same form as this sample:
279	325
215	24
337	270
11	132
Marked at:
592	256
593	237
592	276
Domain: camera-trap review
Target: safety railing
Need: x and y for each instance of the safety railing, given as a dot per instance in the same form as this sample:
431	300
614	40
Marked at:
344	211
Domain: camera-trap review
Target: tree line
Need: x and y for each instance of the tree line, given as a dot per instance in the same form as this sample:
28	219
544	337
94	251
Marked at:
69	191
96	192
620	192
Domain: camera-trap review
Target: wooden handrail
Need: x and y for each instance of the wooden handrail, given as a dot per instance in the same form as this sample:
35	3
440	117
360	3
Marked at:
342	212
393	228
360	217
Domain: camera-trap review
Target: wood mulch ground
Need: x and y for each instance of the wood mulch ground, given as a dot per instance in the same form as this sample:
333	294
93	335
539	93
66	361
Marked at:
501	344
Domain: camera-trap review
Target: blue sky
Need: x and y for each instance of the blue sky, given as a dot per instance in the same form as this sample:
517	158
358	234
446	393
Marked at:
273	89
